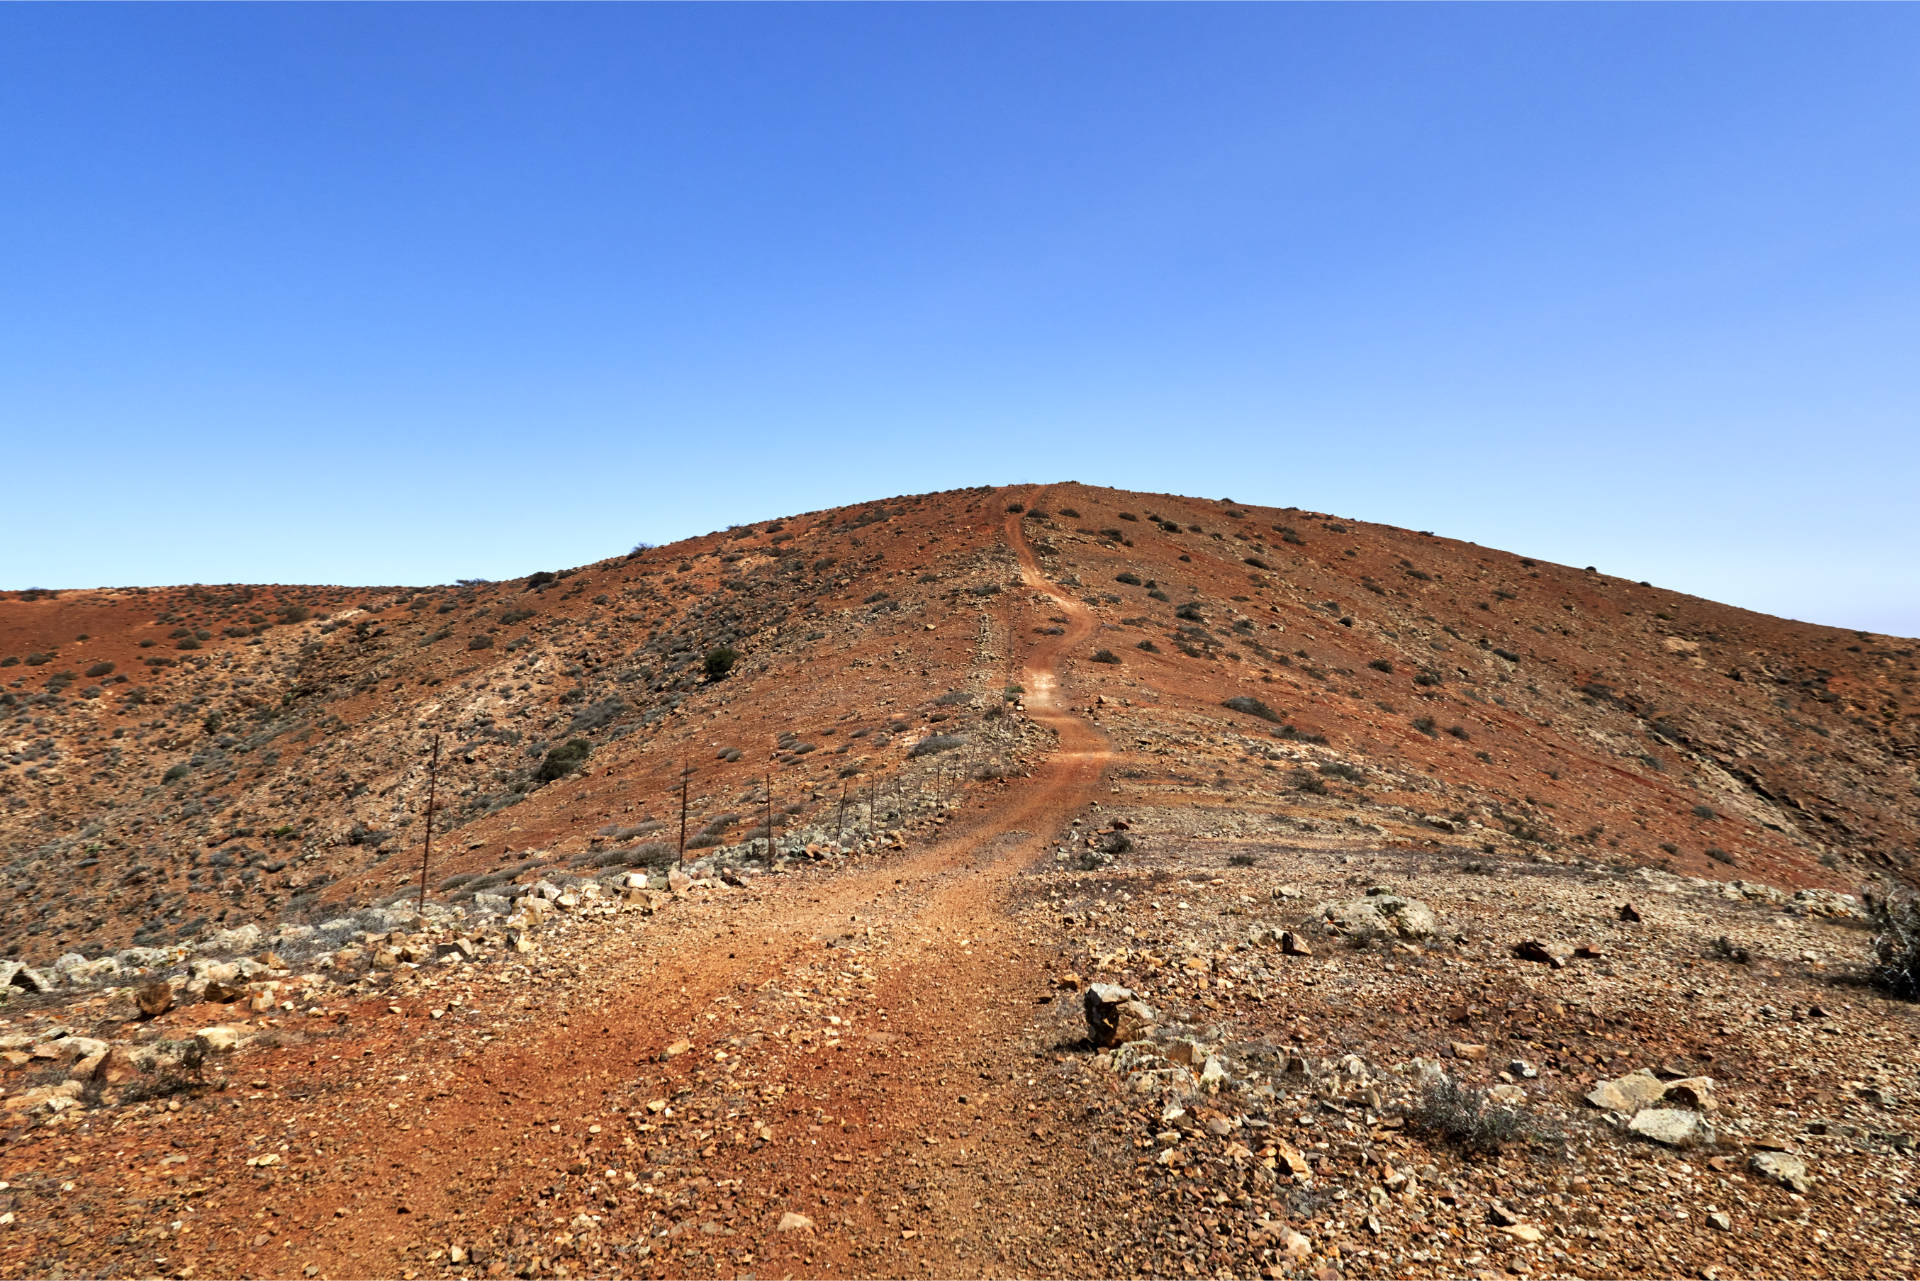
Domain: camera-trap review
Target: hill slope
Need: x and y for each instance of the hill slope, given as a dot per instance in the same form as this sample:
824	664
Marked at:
182	758
884	1047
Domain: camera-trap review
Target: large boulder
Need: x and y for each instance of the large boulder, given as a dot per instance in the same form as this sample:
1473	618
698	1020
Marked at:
1406	918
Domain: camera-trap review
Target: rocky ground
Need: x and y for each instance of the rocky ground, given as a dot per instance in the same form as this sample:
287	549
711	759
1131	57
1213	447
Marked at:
1124	981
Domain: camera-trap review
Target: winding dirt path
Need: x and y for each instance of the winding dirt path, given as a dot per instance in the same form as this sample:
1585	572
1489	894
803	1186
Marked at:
866	1050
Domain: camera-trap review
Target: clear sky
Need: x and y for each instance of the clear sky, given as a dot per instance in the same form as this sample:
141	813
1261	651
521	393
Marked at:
373	294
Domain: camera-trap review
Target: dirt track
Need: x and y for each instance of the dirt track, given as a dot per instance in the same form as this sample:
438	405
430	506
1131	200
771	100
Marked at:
906	1141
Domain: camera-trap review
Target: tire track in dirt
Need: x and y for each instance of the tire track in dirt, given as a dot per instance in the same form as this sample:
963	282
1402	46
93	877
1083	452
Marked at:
952	972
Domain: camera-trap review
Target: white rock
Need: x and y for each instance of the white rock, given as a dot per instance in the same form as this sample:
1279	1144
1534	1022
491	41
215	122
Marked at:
224	1037
1673	1127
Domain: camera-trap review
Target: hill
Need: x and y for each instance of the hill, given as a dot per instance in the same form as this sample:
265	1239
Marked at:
182	758
1076	883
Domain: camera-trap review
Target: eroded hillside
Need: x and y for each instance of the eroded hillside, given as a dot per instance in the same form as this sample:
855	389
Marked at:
184	758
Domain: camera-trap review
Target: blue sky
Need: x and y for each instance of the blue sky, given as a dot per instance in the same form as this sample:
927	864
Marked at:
375	294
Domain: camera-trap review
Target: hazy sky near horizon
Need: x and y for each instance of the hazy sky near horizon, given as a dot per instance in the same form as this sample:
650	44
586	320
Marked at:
381	294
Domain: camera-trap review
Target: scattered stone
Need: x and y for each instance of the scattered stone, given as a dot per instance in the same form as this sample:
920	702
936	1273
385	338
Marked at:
155	999
1694	1092
1720	1220
1187	1053
1467	1050
1285	1154
1554	954
1787	1170
1113	1015
1628	1094
792	1222
1673	1127
1629	913
223	1037
116	1068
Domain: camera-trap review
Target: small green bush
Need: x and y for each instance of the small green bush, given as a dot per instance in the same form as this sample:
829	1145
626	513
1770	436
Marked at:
1105	656
720	660
1462	1115
564	760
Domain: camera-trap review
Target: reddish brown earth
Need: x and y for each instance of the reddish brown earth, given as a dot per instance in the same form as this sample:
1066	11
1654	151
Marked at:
877	1039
